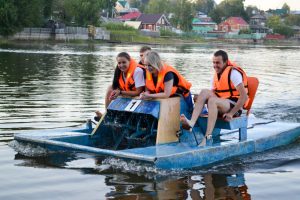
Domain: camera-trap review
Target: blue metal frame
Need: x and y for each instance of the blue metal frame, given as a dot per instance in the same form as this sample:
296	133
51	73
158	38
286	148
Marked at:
183	154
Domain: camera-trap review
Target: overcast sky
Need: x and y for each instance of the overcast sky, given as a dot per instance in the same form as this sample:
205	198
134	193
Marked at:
273	4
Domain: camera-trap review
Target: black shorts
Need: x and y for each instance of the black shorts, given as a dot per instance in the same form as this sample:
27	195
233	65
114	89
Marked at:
238	113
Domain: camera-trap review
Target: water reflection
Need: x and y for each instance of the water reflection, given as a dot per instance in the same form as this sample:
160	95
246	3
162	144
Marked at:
46	86
147	186
219	186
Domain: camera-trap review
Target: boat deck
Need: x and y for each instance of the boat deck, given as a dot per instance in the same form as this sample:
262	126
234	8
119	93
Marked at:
262	135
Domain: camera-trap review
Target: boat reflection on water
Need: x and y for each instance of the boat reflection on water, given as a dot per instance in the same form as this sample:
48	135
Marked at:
208	186
219	186
142	185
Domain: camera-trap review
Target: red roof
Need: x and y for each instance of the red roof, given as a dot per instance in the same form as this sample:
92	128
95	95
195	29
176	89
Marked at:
130	16
236	20
224	23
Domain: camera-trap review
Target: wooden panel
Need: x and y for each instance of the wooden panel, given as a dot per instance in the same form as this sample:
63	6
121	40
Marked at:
168	123
98	124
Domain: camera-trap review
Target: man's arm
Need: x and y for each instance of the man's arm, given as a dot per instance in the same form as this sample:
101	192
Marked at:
242	100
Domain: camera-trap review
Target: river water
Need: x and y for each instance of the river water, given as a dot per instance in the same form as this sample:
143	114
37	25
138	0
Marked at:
46	86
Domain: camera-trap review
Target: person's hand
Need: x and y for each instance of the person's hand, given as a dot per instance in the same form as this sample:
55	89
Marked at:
145	95
114	94
227	117
195	97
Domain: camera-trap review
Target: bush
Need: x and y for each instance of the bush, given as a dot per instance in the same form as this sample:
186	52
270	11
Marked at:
167	33
284	30
245	31
118	27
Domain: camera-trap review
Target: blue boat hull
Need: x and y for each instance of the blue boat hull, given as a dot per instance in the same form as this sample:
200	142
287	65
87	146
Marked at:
177	154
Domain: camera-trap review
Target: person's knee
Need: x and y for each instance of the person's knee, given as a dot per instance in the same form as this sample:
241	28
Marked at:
212	101
205	93
109	90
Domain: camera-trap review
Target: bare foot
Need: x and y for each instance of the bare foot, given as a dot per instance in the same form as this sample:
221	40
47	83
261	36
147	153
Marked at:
203	142
98	116
186	124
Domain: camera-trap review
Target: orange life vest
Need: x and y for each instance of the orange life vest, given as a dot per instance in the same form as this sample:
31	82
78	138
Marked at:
224	88
183	85
129	85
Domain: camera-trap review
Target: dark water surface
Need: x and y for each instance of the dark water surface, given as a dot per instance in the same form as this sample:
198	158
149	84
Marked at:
51	86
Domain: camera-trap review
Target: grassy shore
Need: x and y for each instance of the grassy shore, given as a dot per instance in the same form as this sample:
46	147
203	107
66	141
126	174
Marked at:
124	37
129	35
125	34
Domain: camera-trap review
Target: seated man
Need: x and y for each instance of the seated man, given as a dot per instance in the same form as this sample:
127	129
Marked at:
228	95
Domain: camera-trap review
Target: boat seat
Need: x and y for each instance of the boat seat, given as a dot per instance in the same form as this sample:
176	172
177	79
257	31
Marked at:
241	122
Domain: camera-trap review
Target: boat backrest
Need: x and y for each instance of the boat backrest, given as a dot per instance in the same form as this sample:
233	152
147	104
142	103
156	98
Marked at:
252	88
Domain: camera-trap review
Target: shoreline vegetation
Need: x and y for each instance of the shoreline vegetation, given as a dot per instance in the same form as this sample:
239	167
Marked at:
165	40
123	34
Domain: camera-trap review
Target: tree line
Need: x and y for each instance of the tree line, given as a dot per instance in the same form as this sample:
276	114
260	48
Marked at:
184	10
16	14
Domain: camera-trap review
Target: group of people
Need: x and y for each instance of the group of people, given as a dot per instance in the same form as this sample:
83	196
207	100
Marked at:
152	78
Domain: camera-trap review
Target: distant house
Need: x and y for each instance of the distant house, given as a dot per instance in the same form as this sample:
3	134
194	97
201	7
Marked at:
295	12
258	24
133	24
122	5
279	12
233	24
203	27
203	23
153	22
130	16
127	11
296	32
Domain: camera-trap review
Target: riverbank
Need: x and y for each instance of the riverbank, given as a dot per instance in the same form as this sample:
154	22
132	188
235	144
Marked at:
143	40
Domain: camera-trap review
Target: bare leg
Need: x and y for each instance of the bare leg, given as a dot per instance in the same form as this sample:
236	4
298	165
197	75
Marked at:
215	105
107	102
108	92
203	96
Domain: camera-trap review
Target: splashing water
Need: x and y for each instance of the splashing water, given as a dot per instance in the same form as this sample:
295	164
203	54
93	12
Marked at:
28	149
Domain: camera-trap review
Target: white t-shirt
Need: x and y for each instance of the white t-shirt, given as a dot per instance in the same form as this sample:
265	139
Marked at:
138	77
235	77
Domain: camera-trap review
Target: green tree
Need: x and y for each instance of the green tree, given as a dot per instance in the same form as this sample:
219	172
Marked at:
205	6
252	10
83	12
109	5
8	18
30	12
217	14
158	7
48	8
183	15
16	14
229	8
284	30
286	7
135	3
275	23
292	20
